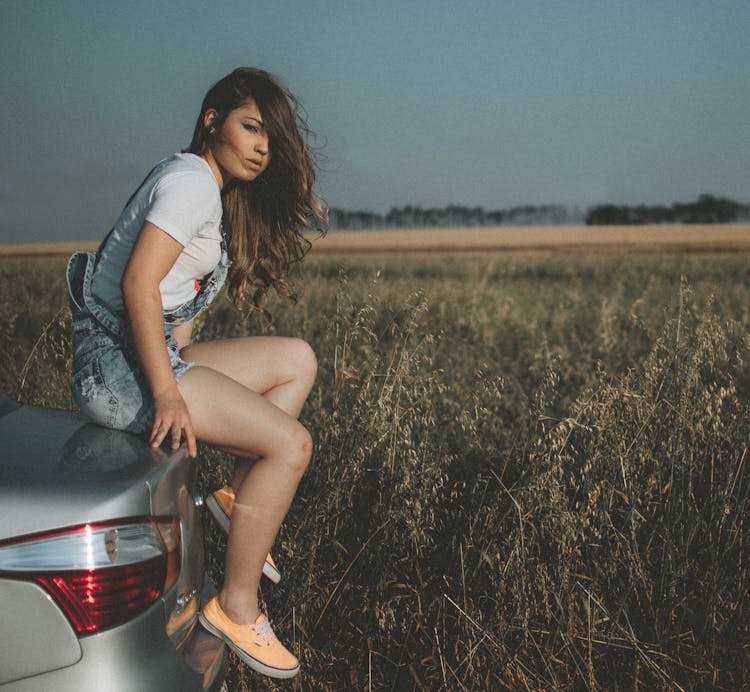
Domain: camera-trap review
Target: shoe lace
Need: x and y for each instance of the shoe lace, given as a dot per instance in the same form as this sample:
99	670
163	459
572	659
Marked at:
265	633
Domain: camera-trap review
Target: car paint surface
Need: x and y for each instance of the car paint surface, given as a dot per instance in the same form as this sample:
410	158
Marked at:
57	471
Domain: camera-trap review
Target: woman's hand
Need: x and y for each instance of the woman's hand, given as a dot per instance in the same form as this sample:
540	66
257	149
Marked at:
171	417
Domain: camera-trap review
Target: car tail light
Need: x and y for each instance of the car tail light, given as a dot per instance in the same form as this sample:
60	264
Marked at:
103	574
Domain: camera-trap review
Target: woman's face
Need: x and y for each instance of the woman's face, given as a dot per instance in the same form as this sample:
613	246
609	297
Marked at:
238	147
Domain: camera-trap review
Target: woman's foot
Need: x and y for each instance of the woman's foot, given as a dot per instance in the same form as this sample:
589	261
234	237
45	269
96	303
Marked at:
255	644
220	506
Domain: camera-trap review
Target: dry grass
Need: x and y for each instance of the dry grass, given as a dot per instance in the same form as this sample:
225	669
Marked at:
530	470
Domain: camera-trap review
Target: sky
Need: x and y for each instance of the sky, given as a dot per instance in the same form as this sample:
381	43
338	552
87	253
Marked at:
429	103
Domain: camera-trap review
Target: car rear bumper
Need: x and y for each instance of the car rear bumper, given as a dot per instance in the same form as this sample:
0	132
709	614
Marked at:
138	657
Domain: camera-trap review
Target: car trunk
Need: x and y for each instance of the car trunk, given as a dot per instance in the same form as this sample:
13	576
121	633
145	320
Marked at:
57	471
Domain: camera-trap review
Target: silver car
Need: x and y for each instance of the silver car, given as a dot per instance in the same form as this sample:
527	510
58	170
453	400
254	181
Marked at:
101	561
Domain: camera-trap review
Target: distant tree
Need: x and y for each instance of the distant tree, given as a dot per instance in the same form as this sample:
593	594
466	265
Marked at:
494	218
343	220
607	215
706	209
710	209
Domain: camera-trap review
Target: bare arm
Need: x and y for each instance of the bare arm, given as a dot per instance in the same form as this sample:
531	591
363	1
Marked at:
154	254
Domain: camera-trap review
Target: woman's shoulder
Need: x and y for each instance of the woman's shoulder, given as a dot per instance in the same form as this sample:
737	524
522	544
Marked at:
184	199
188	176
184	164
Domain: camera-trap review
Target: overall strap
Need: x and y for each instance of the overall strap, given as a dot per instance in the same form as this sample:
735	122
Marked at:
79	274
100	249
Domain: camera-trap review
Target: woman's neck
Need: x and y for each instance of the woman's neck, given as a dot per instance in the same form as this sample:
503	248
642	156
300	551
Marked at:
222	177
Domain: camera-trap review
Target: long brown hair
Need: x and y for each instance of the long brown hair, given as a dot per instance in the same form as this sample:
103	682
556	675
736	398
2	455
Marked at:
264	219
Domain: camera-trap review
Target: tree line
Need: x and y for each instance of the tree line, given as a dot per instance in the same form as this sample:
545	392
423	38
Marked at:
706	209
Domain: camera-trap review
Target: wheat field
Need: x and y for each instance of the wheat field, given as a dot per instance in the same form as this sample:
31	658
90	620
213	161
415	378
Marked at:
693	237
530	468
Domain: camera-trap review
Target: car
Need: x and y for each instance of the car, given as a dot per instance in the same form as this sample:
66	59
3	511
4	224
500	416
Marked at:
101	560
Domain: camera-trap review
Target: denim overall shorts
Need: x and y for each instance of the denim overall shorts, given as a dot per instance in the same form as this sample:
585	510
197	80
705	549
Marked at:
107	381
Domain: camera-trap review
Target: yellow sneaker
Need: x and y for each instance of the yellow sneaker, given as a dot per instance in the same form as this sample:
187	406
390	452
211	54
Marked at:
255	644
220	505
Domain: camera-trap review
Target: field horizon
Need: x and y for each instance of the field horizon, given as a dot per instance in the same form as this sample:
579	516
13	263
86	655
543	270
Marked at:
650	238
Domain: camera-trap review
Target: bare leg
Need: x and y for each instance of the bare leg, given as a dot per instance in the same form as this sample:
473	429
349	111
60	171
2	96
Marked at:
229	415
244	397
281	369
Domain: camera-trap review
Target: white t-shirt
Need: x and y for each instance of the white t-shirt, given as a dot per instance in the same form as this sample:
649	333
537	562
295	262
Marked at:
181	197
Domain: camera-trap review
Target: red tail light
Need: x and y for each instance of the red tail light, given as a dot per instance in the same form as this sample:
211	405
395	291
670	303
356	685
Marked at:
100	575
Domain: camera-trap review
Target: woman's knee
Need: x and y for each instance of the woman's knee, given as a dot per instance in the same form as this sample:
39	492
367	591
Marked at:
302	358
299	446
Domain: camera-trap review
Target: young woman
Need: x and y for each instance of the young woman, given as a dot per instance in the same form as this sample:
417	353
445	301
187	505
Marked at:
232	206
